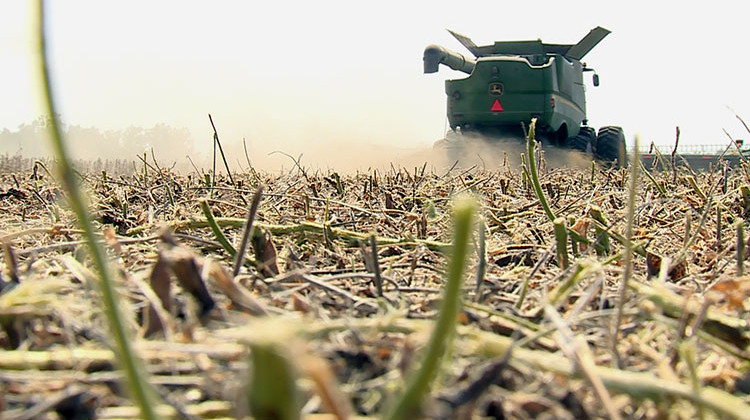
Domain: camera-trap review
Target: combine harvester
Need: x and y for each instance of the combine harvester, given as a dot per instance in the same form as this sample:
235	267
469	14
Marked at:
511	82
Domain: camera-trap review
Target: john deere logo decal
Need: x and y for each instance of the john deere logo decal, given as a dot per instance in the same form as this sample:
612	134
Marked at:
496	89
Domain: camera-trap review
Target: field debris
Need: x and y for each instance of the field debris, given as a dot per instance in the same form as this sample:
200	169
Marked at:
319	292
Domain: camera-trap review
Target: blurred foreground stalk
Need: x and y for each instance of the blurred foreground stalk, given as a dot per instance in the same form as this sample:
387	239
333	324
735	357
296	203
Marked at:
408	404
140	389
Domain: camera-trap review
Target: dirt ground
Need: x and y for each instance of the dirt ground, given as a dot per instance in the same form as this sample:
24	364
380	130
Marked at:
534	336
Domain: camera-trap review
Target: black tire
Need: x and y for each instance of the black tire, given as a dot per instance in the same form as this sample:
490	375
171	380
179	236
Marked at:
610	146
583	141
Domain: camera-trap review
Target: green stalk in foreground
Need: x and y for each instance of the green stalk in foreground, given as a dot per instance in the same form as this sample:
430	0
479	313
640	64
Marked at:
272	391
140	389
408	405
220	237
561	237
534	174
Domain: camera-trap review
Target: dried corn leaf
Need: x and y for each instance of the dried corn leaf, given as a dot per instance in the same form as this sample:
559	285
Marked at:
239	296
735	290
265	253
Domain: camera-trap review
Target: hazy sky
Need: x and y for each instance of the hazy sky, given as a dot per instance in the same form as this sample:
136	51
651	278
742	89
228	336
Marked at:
300	74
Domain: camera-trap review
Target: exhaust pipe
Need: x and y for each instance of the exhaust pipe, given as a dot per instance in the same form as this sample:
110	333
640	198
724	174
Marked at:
434	55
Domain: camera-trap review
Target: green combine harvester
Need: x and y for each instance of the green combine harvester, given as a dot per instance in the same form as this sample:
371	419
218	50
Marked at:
511	82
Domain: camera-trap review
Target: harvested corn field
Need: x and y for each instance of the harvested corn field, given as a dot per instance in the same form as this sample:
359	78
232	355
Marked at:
311	294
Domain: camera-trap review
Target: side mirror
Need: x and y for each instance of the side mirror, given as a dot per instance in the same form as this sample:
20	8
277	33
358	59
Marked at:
596	79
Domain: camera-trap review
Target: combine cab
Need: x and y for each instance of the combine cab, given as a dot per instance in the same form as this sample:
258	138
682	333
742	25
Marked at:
511	82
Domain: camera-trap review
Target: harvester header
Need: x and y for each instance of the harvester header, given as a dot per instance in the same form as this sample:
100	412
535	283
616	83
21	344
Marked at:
435	54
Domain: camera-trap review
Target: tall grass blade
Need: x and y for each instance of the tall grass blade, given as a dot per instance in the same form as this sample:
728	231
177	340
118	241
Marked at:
534	174
140	389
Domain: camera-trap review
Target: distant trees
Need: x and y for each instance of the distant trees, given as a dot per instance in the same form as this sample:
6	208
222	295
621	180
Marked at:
28	140
91	143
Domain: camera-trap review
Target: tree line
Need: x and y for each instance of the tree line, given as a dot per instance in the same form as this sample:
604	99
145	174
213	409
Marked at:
31	140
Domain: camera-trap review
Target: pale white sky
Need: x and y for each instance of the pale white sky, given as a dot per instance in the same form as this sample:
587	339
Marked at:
286	74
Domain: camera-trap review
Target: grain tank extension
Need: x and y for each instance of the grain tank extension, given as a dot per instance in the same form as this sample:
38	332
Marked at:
511	82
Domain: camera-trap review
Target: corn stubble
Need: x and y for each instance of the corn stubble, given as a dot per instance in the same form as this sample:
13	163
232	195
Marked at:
344	345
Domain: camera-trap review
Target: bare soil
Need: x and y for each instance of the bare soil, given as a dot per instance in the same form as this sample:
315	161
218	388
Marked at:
534	338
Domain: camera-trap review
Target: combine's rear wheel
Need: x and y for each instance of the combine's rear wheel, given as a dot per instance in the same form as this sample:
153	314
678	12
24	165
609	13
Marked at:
583	141
610	146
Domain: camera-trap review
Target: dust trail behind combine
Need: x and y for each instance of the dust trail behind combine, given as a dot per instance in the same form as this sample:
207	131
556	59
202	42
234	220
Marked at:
494	153
348	157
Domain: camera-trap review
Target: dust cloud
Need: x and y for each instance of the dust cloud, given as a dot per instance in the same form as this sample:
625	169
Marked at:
312	148
491	153
352	156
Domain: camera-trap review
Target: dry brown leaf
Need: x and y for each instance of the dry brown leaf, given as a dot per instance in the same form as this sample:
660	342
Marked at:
265	253
320	373
581	227
185	268
160	280
735	291
300	304
653	266
239	296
